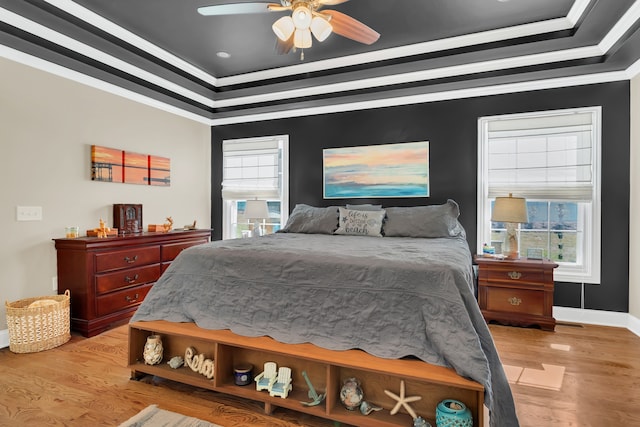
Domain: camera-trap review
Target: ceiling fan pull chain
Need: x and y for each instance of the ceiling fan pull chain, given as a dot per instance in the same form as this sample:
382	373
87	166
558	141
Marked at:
301	54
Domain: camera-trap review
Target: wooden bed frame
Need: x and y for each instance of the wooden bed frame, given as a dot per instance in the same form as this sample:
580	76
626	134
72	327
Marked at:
326	369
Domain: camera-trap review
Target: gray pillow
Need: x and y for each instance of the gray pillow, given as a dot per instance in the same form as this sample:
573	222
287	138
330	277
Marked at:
366	207
311	220
355	222
423	221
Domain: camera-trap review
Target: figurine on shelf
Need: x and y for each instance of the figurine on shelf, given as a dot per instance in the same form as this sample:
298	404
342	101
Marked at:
102	230
175	362
168	225
421	422
403	401
190	226
316	398
366	408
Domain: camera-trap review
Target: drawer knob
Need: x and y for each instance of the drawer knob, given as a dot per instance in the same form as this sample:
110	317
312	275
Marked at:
514	301
131	280
514	275
134	299
130	260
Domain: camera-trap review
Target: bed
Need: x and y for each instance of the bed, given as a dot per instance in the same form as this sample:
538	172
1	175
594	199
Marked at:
394	282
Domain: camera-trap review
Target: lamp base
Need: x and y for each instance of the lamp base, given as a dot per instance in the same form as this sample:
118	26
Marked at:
512	250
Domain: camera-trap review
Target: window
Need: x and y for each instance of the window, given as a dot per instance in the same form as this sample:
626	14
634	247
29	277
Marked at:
254	169
552	159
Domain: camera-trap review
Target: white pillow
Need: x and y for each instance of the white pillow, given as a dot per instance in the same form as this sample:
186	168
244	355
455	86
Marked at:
360	223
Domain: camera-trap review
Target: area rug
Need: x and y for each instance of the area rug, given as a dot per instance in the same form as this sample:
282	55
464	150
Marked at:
152	416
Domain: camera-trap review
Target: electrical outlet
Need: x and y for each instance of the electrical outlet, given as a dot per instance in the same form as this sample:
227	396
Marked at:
28	213
54	283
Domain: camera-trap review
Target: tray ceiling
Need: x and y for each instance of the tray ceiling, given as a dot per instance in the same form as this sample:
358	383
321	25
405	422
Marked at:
225	69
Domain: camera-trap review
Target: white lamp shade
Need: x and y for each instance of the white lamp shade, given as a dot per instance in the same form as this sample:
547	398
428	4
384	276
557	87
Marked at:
283	28
320	28
510	209
256	209
302	17
302	39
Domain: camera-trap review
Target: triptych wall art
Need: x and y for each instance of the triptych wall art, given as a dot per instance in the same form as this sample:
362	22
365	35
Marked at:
113	165
375	171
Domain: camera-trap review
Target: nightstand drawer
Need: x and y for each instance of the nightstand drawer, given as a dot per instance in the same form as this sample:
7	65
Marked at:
514	274
515	300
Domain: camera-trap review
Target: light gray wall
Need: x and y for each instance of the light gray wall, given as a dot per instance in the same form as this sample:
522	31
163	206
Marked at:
47	125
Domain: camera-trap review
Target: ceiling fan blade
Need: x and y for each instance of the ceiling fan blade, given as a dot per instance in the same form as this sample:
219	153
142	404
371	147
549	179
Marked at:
331	2
284	47
351	28
239	8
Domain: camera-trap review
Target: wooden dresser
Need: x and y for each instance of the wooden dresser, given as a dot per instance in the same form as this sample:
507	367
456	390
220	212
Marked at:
516	291
108	278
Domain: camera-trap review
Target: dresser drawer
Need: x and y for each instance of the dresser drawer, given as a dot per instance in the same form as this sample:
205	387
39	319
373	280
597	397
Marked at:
515	300
120	300
514	274
171	250
128	258
126	278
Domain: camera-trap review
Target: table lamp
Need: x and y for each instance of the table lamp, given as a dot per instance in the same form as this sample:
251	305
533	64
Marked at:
256	210
512	211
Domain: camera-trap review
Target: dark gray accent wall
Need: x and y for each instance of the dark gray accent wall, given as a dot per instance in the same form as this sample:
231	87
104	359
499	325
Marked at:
451	129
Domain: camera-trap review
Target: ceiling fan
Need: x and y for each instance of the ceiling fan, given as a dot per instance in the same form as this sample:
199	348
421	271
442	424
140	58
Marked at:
308	17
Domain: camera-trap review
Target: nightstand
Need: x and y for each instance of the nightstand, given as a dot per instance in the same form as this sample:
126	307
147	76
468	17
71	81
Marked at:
516	291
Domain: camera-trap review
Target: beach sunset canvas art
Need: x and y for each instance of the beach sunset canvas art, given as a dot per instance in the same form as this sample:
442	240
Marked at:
389	170
115	165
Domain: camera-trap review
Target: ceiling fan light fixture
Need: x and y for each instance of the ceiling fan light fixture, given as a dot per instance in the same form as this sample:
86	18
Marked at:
283	28
320	28
302	39
302	17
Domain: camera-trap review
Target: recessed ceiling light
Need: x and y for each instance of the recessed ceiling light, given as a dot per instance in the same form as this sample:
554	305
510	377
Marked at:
223	55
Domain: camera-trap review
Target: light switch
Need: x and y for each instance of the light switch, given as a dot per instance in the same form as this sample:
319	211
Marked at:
28	213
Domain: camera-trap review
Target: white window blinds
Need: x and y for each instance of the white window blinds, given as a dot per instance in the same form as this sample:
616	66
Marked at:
252	169
542	157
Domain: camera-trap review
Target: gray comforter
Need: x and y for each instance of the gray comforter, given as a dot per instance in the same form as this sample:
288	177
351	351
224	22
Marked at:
391	297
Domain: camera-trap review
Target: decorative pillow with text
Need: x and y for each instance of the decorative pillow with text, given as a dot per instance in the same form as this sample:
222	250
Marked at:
360	223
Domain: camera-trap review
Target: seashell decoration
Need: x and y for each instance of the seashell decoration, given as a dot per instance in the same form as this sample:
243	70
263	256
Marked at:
198	363
176	362
152	352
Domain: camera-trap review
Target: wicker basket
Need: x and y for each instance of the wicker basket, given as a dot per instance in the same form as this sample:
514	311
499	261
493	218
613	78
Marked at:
38	328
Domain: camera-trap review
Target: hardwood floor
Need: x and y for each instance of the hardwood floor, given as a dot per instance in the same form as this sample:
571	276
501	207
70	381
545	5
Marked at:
580	375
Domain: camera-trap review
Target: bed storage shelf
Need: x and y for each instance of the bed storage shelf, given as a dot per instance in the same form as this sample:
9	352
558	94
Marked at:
326	369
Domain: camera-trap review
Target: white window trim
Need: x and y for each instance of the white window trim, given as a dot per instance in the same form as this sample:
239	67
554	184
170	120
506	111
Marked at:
228	210
565	272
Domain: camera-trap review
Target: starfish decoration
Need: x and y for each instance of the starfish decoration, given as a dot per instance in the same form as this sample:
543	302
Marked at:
403	401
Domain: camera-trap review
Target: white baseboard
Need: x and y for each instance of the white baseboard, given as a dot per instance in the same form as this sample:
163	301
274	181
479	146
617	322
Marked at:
562	314
634	325
597	317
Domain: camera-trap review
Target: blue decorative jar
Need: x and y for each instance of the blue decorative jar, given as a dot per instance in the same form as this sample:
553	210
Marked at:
243	375
453	413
